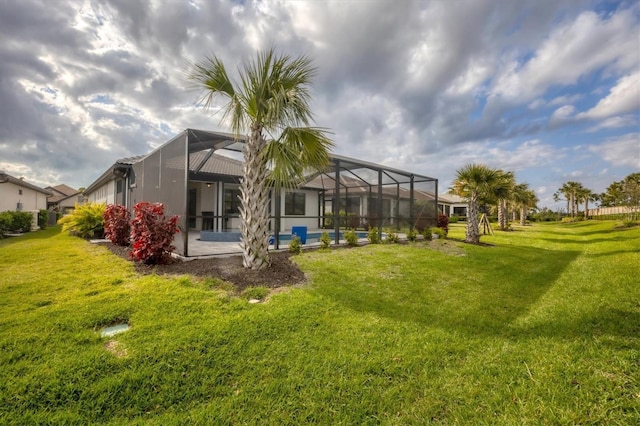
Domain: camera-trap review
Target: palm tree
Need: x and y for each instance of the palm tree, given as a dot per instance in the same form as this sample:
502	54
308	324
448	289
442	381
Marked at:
526	199
472	182
502	191
570	190
271	105
585	195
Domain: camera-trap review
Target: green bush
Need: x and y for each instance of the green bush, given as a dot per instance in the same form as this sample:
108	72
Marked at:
427	233
412	235
85	221
325	240
454	219
295	246
373	235
351	237
43	218
439	232
391	237
11	221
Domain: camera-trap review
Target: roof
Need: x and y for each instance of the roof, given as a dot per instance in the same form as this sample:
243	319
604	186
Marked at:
21	182
61	192
451	199
126	162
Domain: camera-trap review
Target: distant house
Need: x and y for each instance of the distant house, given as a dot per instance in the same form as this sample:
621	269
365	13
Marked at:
197	176
452	205
63	198
16	194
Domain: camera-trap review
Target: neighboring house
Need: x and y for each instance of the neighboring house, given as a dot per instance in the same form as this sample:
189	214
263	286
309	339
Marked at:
452	205
63	198
197	176
18	195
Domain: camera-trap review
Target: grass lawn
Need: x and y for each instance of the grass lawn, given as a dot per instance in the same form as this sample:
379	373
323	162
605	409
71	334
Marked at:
542	326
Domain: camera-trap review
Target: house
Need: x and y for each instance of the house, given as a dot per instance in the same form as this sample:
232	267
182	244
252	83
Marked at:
452	205
63	198
16	194
197	176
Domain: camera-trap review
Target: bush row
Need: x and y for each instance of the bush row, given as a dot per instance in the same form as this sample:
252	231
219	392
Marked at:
149	233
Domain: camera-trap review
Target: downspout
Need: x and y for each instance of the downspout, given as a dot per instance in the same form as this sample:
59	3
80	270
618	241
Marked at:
336	203
185	216
380	201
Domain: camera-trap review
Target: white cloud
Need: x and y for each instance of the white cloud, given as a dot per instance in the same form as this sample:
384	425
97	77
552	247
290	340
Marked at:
620	151
623	98
577	47
615	122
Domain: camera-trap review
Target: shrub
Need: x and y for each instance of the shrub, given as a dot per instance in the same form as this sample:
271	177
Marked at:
454	219
85	221
391	237
427	233
116	224
15	221
6	220
373	235
295	246
412	235
325	240
443	223
439	232
43	218
351	237
152	233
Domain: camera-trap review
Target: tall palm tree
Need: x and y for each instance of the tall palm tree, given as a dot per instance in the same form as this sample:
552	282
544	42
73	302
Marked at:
585	195
271	105
472	182
526	199
570	190
502	191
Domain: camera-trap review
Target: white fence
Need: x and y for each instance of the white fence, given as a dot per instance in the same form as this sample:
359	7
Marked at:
605	211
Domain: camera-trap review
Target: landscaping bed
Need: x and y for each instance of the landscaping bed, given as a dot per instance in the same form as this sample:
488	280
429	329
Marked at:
281	272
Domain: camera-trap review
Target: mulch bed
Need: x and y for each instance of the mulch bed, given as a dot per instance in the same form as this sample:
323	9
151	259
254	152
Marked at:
281	272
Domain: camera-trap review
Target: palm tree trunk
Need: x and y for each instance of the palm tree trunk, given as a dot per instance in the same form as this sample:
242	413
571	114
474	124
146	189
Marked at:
254	192
523	214
502	214
473	232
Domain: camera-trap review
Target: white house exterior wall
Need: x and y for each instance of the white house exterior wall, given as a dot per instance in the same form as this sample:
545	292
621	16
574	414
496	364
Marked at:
310	209
30	199
103	194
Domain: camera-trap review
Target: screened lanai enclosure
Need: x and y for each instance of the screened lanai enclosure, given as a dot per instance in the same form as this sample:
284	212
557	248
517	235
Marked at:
197	176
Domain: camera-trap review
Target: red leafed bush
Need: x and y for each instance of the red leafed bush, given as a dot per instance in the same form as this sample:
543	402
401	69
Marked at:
116	224
443	223
152	234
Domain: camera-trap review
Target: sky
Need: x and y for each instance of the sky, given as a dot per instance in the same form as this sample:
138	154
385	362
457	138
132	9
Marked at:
548	89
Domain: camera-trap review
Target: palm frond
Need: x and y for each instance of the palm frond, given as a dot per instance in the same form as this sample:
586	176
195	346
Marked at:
296	150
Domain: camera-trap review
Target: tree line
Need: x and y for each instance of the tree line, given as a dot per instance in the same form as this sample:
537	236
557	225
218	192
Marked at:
485	188
621	193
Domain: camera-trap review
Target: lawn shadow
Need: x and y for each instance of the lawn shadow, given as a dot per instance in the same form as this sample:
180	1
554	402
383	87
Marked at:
493	291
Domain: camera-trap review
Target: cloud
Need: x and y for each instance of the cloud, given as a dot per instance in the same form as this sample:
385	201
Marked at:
623	98
620	151
615	122
575	48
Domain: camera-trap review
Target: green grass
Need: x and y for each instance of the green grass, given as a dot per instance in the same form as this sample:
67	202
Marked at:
542	326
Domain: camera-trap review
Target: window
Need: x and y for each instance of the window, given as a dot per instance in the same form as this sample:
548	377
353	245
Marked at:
294	203
232	201
19	191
